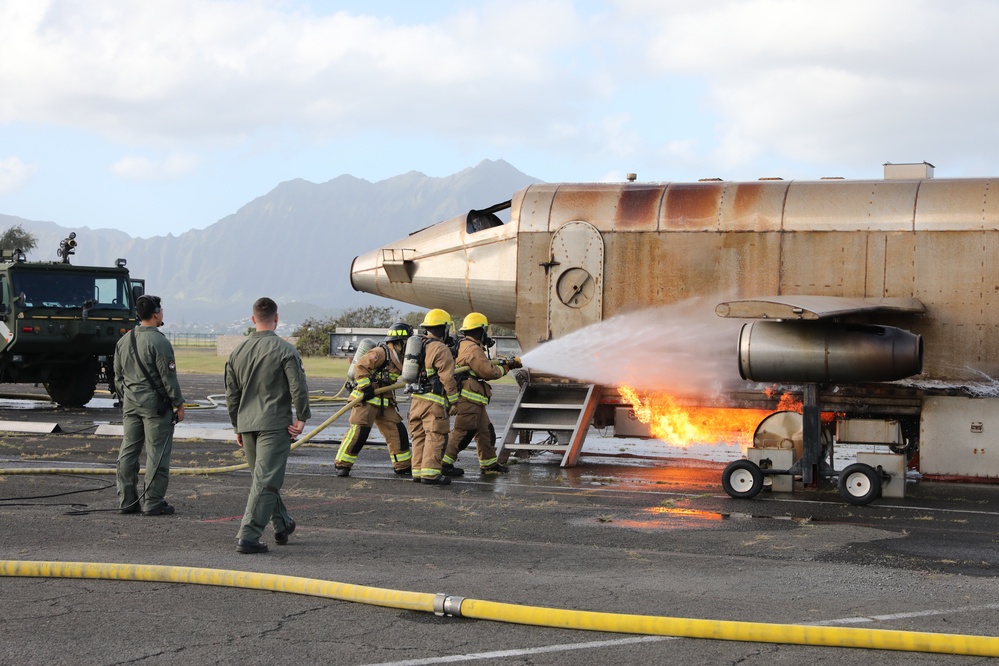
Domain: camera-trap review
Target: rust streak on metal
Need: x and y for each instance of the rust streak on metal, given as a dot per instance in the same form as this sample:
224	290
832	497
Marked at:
692	205
638	207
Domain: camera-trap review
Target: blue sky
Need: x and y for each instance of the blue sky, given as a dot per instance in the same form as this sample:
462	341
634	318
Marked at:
159	116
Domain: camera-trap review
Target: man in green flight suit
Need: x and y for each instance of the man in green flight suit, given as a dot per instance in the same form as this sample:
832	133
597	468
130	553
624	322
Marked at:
145	379
264	376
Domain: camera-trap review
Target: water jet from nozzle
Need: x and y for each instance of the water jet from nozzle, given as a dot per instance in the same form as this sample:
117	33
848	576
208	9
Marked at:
683	348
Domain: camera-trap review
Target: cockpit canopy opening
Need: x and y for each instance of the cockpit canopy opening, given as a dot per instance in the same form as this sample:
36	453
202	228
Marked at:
480	220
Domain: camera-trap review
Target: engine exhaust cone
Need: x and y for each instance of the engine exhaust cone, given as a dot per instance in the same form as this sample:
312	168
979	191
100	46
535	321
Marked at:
802	352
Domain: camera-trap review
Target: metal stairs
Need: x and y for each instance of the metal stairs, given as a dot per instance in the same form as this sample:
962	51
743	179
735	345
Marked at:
562	412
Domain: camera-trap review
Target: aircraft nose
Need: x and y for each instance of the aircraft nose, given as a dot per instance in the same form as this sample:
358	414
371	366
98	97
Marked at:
452	265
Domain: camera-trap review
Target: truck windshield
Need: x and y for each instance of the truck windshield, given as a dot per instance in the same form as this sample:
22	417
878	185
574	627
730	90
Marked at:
68	290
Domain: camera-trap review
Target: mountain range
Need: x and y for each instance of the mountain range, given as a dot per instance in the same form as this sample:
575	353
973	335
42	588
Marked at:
295	243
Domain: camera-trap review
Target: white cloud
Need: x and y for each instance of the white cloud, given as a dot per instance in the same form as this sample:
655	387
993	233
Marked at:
14	174
183	68
854	83
633	84
145	169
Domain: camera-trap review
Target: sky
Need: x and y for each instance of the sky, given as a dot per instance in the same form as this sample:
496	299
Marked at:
160	116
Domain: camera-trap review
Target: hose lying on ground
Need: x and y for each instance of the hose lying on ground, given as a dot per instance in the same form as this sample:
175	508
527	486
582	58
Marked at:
199	470
194	471
442	604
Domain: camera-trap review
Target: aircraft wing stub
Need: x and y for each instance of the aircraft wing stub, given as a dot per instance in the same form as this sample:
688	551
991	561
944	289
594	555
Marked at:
814	307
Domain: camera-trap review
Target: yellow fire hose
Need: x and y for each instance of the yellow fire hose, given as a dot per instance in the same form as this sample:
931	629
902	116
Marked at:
442	604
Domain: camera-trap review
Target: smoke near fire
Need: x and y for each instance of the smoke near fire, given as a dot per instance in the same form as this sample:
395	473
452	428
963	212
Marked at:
681	349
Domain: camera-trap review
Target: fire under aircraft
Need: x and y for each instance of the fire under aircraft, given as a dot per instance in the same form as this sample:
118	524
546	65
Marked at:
879	299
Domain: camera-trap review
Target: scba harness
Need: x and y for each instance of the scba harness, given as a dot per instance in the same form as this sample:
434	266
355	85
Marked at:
422	379
379	377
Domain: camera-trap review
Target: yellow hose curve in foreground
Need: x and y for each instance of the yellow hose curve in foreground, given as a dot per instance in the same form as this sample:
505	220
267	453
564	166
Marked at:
875	639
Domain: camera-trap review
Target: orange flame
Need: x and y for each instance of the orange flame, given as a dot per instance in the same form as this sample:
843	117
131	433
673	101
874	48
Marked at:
791	403
680	425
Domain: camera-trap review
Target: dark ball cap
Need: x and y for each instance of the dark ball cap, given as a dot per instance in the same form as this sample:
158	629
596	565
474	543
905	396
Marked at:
147	305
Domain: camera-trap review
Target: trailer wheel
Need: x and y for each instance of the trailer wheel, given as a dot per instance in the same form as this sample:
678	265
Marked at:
742	479
860	484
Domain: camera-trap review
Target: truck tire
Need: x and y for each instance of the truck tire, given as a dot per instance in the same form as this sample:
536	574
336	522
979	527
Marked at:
75	386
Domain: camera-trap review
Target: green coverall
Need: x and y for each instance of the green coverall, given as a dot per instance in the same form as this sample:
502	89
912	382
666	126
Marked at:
142	425
264	376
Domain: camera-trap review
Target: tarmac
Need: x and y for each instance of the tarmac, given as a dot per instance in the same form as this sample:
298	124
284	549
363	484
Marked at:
614	534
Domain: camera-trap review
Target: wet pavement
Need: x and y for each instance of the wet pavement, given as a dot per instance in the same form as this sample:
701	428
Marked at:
614	534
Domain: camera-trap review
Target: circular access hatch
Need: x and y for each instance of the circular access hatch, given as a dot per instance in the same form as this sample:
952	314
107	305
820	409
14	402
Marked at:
576	287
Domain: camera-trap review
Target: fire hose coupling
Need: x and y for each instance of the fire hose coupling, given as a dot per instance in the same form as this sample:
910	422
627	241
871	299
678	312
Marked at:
445	604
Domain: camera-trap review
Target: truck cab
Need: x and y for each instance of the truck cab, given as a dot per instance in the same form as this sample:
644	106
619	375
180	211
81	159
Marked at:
60	323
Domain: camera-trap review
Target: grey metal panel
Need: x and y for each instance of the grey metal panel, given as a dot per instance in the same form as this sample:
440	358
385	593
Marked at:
814	307
654	269
958	205
850	206
958	437
535	207
533	252
575	280
815	263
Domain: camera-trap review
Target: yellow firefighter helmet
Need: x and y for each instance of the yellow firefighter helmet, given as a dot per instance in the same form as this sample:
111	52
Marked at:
473	321
436	317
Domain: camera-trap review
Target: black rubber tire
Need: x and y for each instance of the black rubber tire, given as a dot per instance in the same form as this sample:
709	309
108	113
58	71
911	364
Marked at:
74	387
860	484
742	479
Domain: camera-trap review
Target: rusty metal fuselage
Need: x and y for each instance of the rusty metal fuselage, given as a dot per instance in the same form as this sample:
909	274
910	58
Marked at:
573	254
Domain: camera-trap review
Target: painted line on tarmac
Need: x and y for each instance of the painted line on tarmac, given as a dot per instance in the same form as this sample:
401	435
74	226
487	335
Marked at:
908	615
526	651
475	656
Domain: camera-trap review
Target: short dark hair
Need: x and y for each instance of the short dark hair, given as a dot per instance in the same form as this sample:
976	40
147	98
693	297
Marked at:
264	309
147	305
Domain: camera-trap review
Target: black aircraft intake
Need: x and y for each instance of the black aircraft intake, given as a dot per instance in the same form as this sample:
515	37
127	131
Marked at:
803	352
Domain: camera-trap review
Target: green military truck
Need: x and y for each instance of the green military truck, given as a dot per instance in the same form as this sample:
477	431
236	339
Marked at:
60	322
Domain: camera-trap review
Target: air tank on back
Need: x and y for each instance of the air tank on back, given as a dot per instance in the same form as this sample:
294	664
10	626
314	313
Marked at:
363	347
798	351
411	360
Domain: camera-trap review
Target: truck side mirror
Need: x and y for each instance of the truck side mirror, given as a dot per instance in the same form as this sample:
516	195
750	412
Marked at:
137	291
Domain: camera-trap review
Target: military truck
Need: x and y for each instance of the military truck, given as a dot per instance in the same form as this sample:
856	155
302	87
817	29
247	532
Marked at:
60	322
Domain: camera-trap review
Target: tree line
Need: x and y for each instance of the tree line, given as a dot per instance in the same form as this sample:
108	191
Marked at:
314	334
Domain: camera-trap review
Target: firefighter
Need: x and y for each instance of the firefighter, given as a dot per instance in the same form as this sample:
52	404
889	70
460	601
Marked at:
471	420
429	411
378	368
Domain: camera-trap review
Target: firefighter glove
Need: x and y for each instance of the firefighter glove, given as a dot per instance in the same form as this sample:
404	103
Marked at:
368	392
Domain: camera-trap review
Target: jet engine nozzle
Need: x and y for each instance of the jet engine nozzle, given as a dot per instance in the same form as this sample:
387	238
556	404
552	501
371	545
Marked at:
796	351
